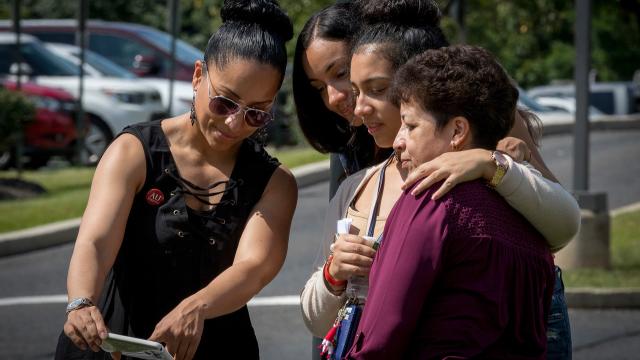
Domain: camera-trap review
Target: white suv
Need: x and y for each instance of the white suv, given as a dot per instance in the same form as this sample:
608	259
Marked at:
97	65
614	98
111	104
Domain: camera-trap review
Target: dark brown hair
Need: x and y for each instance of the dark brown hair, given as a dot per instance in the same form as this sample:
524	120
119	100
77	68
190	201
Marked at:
400	29
460	81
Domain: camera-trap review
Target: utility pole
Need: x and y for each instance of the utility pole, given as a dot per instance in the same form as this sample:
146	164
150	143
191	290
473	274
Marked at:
83	12
17	29
590	248
583	63
173	26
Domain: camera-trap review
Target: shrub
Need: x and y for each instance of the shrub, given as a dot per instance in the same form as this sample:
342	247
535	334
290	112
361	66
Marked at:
15	112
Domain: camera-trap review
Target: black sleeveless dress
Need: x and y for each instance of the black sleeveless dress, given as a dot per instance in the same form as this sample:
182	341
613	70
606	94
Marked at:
170	251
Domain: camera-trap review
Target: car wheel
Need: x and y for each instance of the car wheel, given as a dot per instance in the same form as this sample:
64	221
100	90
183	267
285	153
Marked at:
6	159
96	140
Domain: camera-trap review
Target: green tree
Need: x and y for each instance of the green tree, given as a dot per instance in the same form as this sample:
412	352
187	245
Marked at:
534	39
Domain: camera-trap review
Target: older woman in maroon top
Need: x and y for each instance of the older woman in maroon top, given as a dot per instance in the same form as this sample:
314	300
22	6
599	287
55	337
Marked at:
464	276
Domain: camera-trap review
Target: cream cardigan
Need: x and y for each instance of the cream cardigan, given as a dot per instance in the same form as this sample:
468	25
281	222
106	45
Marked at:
547	205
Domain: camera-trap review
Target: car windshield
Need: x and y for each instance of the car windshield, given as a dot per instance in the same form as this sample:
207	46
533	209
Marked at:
185	53
105	66
41	61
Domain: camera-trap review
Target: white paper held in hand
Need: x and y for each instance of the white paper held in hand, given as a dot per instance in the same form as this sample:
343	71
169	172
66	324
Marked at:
135	347
358	286
343	226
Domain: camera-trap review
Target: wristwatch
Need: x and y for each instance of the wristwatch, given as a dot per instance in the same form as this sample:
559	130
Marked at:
78	303
501	168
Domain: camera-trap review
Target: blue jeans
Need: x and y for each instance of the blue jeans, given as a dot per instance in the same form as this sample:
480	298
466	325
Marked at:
558	328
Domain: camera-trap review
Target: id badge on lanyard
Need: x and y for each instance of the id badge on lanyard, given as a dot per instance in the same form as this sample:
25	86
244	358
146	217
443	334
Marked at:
341	335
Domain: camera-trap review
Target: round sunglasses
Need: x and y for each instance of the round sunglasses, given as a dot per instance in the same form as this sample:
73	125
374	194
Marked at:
223	106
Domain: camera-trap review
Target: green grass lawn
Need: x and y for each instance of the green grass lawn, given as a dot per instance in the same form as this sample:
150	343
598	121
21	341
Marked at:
296	157
68	191
625	258
66	198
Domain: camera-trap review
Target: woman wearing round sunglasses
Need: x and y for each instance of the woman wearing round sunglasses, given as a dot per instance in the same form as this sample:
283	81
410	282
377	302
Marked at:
189	217
390	36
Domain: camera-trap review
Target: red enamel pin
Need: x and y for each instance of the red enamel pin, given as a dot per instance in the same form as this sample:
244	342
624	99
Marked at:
155	197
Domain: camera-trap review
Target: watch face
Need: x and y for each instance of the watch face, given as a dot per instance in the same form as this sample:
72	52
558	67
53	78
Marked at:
500	158
75	303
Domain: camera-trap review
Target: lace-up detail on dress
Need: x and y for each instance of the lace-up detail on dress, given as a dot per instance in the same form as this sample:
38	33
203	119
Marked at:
170	251
203	194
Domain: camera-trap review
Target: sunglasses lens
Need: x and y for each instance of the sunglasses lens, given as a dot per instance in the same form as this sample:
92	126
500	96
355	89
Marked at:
257	118
222	106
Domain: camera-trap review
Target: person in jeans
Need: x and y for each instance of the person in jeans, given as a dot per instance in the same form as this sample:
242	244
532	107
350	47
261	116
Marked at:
463	275
319	94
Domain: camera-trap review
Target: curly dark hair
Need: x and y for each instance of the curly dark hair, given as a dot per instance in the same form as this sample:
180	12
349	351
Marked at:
463	81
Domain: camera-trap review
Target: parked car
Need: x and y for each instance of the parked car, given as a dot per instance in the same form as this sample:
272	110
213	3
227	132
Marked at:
614	98
52	131
553	115
98	66
564	104
111	104
141	49
145	51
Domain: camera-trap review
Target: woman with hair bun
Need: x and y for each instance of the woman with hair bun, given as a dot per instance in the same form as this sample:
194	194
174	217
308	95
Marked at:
188	218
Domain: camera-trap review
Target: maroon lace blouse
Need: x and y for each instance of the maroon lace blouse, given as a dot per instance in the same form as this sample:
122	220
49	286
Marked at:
462	277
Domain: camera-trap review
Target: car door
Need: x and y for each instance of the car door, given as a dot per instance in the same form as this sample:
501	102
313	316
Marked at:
129	53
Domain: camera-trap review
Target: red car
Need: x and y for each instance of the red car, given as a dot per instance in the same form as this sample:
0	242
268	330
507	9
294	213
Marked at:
52	131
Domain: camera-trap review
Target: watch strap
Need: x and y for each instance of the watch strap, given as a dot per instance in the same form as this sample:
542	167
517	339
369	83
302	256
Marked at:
78	303
501	170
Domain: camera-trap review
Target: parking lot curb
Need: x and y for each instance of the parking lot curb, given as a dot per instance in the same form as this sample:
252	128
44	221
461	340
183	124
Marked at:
603	298
613	122
16	242
311	173
21	241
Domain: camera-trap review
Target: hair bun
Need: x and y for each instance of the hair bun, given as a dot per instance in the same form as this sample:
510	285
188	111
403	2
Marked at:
265	13
416	13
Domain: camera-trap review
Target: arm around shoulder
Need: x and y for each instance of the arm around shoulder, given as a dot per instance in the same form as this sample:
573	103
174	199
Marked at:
551	209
